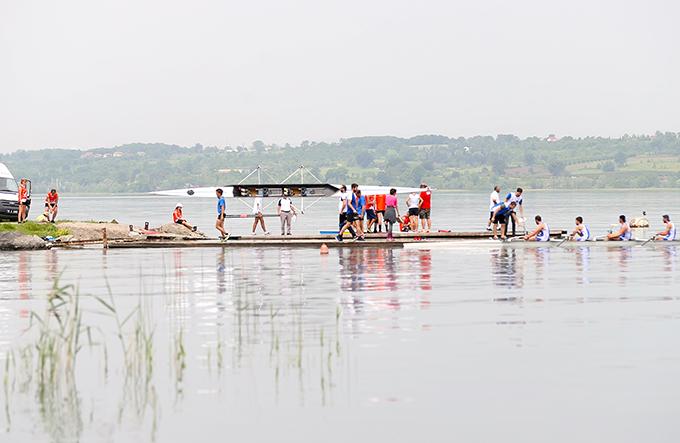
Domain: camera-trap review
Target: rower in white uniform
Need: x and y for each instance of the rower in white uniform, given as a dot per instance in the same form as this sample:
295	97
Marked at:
623	234
581	232
541	233
668	234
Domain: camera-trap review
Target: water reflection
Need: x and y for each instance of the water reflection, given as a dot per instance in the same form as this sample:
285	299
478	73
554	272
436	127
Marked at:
379	269
506	270
582	256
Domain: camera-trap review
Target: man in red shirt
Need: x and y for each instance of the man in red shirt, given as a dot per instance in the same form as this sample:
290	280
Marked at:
52	205
425	208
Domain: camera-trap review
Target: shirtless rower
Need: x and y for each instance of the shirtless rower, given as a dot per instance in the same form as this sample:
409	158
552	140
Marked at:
668	234
623	234
581	232
541	233
500	215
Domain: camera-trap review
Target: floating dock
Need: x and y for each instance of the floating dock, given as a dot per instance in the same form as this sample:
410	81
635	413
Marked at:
293	241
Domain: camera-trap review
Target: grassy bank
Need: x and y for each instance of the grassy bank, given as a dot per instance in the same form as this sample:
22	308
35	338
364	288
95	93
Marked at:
33	228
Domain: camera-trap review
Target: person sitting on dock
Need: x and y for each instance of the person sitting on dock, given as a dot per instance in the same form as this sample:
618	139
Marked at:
581	232
623	234
499	216
257	212
52	205
286	210
221	214
541	233
178	217
668	234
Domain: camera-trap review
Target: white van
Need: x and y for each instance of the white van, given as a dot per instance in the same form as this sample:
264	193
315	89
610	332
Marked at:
9	198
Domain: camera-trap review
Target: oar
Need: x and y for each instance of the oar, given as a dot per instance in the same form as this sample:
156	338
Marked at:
647	241
560	243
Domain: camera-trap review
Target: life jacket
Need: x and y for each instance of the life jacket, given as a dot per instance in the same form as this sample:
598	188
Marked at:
177	215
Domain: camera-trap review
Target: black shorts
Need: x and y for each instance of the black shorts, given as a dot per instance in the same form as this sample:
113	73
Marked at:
501	218
413	211
351	217
382	211
180	221
221	216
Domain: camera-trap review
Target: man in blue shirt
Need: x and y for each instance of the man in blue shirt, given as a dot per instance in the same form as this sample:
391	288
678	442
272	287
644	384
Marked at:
221	214
500	215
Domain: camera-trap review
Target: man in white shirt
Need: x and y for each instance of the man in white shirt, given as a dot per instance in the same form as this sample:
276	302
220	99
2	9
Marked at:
286	211
494	199
518	198
259	216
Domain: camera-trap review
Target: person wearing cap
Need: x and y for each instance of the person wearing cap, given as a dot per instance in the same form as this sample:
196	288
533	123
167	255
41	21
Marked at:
178	217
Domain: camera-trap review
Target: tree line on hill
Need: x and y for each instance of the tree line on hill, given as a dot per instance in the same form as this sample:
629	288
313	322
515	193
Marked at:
638	161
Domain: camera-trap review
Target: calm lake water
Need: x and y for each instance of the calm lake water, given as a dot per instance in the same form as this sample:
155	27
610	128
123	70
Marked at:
475	343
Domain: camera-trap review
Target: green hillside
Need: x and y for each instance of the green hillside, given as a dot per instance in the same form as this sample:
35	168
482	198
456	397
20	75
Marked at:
443	162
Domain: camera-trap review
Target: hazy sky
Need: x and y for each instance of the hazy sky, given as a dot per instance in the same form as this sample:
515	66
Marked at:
100	73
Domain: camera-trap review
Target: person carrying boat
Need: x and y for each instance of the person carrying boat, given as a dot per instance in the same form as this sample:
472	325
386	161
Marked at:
500	215
581	232
178	217
668	234
623	234
541	233
519	199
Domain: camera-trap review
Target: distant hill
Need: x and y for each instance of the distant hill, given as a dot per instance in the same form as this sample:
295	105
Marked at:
441	161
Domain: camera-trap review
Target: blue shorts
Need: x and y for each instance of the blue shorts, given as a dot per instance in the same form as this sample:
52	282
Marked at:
370	214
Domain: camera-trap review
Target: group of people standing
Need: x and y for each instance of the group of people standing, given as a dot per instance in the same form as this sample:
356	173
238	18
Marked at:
381	210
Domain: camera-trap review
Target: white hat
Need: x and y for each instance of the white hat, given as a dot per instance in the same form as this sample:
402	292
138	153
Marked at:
179	205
